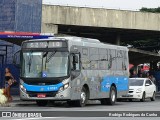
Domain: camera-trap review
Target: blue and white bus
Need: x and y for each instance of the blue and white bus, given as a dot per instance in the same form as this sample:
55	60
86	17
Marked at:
73	69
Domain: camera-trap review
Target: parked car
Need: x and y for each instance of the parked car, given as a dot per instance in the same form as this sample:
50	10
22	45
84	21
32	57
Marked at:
141	88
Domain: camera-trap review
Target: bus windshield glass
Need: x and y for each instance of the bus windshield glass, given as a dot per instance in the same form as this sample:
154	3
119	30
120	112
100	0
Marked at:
44	64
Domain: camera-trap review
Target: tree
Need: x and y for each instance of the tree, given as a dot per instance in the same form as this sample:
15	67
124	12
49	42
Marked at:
152	45
153	10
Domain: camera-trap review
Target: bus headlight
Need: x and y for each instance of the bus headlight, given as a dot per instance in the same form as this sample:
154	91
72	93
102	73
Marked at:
23	88
64	87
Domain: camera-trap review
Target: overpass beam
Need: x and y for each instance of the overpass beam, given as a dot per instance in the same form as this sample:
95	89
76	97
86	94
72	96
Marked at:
49	28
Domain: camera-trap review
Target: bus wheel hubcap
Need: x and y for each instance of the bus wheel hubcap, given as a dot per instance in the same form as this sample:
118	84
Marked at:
83	97
113	95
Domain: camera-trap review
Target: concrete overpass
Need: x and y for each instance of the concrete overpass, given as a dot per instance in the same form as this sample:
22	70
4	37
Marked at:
107	25
112	26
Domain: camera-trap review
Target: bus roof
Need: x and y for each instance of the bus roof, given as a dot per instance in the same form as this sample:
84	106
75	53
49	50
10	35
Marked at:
89	41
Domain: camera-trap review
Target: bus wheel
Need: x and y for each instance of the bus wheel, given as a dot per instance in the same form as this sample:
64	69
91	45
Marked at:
41	102
112	97
83	98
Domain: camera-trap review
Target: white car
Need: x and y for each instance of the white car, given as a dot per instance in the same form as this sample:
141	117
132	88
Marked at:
141	88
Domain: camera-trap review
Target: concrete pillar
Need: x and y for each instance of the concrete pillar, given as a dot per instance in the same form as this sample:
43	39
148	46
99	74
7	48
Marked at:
118	39
49	28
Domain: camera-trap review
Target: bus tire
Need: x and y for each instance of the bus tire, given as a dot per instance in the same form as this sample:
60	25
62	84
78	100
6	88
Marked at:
112	97
83	98
41	102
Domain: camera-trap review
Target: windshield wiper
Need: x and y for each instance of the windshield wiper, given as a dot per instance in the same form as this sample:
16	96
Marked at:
30	61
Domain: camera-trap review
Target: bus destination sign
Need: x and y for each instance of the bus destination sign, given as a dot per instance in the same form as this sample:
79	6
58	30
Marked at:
40	44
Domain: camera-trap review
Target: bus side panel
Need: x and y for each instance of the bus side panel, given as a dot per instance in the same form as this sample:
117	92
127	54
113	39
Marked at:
121	83
102	67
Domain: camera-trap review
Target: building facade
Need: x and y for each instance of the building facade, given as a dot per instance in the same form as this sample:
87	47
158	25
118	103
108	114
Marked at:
20	15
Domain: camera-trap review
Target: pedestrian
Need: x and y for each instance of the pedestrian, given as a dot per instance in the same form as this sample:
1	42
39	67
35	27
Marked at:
153	79
134	74
141	75
8	82
139	71
147	75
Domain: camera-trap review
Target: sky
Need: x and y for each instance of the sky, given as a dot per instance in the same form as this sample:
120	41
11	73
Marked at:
110	4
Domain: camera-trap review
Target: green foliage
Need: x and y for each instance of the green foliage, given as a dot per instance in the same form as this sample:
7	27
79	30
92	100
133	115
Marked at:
153	10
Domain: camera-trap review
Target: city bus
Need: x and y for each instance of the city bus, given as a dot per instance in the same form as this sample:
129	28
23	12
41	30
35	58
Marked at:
72	69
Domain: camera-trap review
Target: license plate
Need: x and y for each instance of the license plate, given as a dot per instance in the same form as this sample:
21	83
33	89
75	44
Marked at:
41	95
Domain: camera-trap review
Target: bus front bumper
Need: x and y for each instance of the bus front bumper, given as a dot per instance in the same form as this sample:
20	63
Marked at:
63	95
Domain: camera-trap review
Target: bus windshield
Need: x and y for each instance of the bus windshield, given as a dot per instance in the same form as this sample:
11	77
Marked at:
44	64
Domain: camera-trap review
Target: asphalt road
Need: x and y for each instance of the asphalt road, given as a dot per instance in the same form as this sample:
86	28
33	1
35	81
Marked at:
93	110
